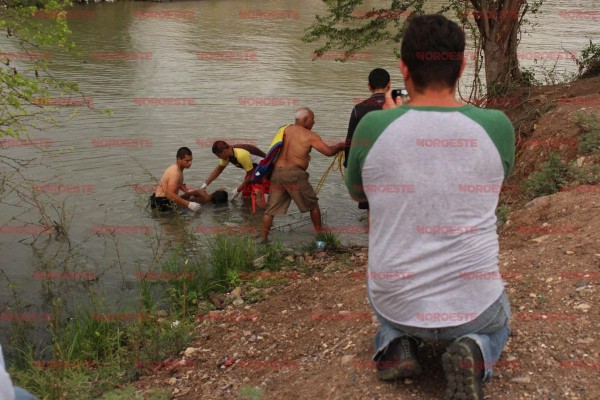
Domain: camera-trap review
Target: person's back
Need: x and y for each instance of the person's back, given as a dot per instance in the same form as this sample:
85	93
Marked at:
433	248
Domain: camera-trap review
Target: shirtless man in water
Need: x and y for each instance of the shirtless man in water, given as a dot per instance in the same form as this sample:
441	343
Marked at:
171	183
290	179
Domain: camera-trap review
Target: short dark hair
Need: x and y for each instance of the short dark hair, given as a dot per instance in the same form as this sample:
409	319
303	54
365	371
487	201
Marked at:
183	151
219	146
219	196
379	78
433	50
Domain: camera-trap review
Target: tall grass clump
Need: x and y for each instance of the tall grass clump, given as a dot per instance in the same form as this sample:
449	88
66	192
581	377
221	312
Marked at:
228	255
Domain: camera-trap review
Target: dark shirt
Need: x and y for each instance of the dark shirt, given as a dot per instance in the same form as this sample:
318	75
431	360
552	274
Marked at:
375	102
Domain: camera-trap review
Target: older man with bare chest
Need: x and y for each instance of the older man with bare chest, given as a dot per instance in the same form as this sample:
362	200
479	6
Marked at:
290	179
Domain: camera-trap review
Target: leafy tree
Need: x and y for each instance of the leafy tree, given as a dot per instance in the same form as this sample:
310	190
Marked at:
32	30
495	23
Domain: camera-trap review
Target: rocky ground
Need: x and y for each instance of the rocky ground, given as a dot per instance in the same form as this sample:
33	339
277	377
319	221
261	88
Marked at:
311	338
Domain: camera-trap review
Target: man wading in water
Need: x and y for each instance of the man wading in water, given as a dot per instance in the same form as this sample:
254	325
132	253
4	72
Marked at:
171	183
290	179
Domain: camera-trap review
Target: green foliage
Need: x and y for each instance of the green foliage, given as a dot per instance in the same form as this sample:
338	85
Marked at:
25	83
502	214
274	255
589	62
589	140
331	240
250	392
130	393
229	253
554	173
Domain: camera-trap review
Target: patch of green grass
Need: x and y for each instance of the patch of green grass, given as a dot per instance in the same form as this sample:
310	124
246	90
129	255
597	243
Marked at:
589	140
554	173
274	254
250	393
502	214
229	253
331	240
130	393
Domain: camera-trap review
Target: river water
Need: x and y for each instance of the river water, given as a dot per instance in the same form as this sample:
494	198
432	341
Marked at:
186	74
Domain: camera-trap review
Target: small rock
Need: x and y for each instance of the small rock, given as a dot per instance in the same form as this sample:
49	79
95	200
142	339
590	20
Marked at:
521	379
176	391
347	359
238	302
289	259
533	295
583	307
189	351
172	381
585	341
246	380
569	252
408	381
582	283
162	313
539	202
247	333
259	262
237	292
540	239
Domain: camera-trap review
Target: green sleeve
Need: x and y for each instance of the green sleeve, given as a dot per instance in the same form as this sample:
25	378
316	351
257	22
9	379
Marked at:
500	130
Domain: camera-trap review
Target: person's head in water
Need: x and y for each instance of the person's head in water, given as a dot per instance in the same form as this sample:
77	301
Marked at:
379	80
219	196
305	117
432	53
184	158
222	150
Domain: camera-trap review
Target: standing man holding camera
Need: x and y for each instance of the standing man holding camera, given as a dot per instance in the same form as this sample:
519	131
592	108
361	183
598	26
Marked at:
427	238
379	84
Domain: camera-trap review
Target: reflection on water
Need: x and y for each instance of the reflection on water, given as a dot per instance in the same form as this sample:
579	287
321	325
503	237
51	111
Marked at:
188	81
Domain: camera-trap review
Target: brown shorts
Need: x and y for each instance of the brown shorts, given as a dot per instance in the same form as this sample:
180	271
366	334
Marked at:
289	183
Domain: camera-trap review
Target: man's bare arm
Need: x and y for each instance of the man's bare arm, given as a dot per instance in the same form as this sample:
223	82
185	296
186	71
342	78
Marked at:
324	148
214	174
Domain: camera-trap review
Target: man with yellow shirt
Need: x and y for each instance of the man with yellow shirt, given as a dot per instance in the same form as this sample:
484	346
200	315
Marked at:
244	156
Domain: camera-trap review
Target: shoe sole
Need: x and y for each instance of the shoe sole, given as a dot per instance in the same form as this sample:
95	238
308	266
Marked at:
405	369
462	376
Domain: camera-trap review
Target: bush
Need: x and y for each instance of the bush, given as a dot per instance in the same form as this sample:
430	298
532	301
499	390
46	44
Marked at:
554	174
589	62
589	140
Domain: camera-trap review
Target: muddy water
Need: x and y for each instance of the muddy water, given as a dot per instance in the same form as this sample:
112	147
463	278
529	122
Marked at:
186	74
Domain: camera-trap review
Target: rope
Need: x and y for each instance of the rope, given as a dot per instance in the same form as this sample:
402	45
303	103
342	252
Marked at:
340	160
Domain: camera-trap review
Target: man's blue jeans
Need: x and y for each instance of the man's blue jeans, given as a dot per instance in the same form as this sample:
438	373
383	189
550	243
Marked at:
489	330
